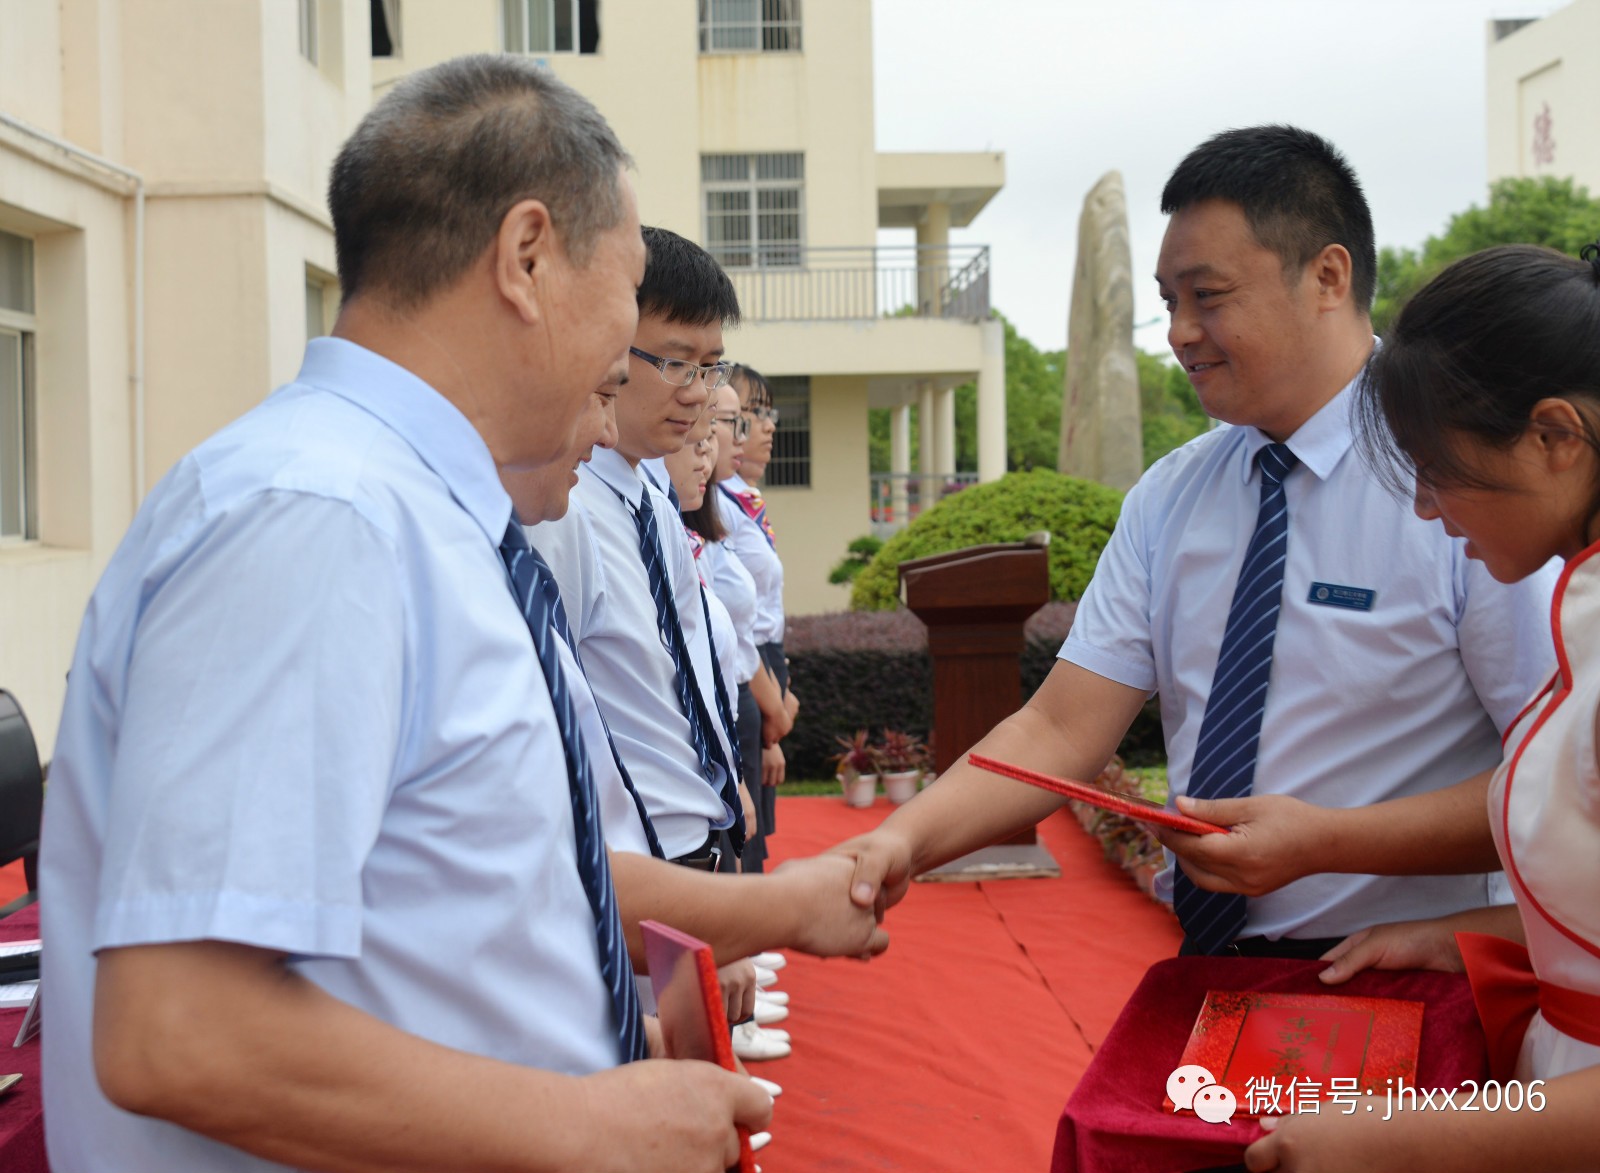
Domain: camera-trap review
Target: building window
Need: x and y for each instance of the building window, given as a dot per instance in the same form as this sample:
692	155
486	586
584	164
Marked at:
18	459
755	210
749	26
791	443
386	28
308	29
550	26
322	303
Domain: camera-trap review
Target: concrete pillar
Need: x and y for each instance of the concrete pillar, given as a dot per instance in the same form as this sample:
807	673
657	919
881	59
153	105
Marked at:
928	454
933	258
899	462
945	431
992	402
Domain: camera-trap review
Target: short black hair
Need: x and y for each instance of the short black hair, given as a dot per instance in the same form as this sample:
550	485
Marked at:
683	283
705	519
1297	192
1471	354
418	191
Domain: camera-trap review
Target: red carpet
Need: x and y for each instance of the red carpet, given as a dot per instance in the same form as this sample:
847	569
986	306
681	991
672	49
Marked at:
956	1050
12	882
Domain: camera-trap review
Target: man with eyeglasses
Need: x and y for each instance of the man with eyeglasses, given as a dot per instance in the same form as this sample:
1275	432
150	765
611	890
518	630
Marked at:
627	576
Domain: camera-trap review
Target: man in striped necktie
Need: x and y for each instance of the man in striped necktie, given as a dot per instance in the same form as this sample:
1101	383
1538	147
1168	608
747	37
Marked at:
1334	673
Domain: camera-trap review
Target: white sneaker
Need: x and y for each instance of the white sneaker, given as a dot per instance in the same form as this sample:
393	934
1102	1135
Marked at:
766	1085
759	1141
753	1044
772	997
770	960
773	1032
767	1015
765	977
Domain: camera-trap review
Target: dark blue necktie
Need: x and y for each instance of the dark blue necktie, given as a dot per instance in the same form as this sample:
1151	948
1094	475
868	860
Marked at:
537	596
1225	753
690	699
558	620
724	712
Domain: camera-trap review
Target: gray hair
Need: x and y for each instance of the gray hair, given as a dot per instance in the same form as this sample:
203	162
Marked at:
421	187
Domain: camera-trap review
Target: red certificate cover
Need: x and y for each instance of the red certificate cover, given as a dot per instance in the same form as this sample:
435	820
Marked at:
694	1023
1325	1044
1141	809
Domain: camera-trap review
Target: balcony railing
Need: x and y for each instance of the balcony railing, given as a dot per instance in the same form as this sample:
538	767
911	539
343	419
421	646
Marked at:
789	283
898	497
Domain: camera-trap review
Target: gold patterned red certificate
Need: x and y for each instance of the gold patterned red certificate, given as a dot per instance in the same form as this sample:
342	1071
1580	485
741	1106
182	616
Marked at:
1325	1046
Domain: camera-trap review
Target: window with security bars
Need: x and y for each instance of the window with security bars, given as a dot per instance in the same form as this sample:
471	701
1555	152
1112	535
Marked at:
18	327
790	466
550	26
749	26
754	209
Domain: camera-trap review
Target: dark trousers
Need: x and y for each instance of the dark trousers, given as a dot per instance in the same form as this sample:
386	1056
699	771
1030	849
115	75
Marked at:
748	720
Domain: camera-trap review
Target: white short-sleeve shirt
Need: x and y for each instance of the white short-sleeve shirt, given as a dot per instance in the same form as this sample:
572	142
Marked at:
594	553
749	541
1403	689
731	583
305	714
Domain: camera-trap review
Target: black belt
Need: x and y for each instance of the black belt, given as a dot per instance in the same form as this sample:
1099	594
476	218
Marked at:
704	858
1297	948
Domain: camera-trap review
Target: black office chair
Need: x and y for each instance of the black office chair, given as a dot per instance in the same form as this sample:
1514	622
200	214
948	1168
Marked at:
21	798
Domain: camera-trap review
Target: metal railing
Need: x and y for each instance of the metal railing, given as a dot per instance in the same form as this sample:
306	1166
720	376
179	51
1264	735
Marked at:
898	497
786	282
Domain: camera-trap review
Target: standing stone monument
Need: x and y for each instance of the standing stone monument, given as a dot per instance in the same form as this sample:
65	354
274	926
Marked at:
1101	438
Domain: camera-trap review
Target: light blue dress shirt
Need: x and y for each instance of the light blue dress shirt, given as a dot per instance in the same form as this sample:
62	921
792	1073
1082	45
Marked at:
305	714
594	553
1363	705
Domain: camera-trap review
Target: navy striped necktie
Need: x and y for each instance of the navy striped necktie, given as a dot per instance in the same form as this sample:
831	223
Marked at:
1230	732
536	591
690	698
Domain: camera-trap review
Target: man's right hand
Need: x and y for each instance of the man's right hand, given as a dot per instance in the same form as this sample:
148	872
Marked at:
827	923
882	869
671	1117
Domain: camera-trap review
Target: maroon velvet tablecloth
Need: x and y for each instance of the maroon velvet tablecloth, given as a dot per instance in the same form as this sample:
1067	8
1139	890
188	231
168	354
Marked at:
1114	1121
21	1108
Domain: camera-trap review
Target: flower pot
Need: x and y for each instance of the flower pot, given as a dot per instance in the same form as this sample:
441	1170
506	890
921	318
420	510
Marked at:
901	786
859	789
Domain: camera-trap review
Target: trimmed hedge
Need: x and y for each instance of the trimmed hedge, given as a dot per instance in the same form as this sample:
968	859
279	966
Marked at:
1079	515
870	670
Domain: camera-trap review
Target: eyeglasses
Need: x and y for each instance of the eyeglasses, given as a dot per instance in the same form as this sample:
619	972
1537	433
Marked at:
680	373
767	415
736	423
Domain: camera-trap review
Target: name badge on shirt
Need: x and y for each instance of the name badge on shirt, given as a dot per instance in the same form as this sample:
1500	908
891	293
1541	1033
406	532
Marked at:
1351	598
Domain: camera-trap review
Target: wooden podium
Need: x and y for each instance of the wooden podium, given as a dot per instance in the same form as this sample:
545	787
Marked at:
974	603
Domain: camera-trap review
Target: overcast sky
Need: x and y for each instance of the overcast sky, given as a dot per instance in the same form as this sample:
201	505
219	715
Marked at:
1070	89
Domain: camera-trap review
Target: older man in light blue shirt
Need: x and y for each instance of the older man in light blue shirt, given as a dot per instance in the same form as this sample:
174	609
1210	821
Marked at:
319	882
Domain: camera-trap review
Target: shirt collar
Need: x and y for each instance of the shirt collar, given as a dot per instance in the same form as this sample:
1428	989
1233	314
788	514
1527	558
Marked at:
445	439
1320	443
736	484
618	475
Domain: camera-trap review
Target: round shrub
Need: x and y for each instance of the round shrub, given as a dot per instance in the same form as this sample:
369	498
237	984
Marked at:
1079	515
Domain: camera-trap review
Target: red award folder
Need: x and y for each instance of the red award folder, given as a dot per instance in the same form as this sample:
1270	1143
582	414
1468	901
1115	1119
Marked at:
1329	1047
1134	807
694	1023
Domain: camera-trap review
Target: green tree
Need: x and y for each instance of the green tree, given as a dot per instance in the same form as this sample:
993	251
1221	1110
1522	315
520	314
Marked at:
1557	213
1169	411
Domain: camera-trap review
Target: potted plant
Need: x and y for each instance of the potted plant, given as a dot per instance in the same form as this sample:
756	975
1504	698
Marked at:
857	769
902	759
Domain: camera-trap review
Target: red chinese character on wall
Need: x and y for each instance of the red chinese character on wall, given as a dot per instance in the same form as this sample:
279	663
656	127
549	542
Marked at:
1544	147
